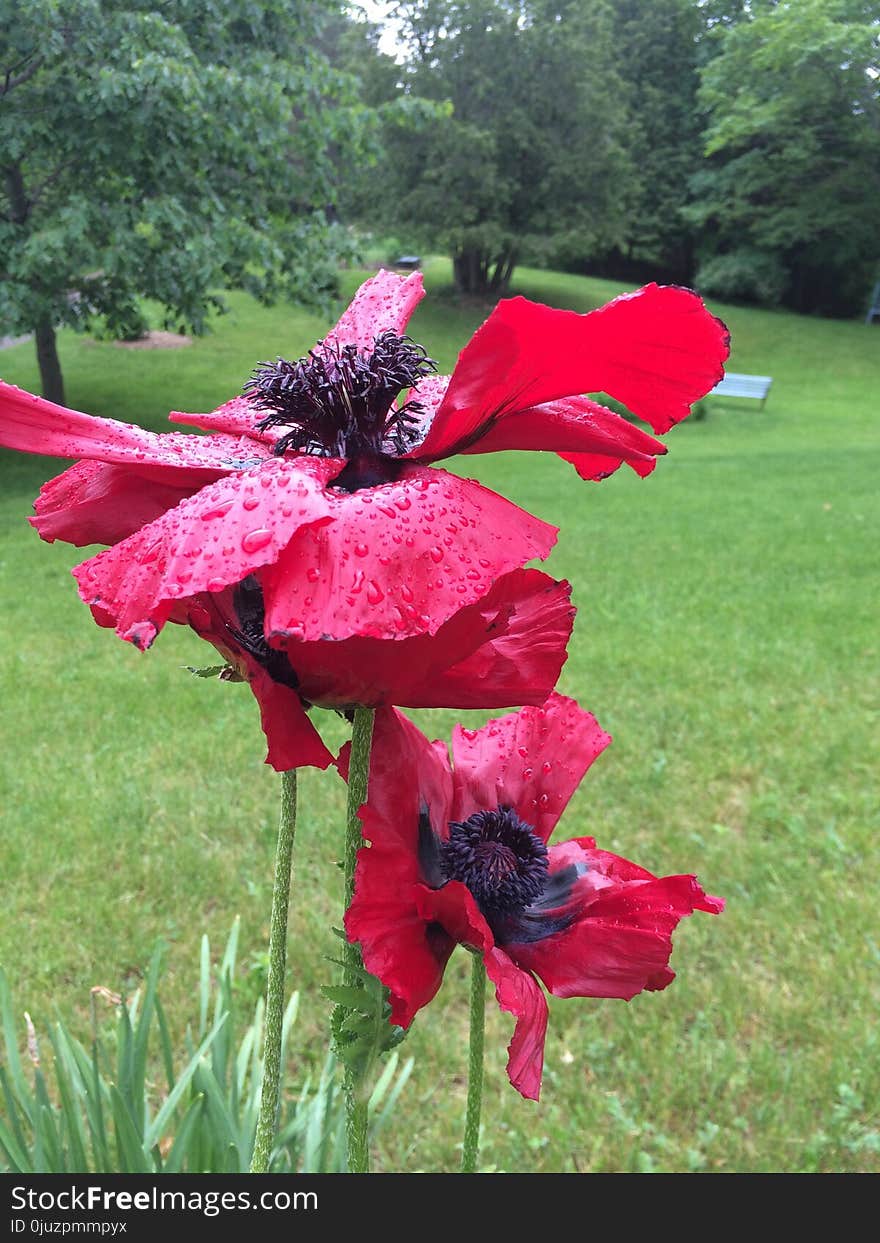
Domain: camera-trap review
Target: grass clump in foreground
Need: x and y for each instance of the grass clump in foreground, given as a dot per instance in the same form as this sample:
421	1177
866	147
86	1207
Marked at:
724	637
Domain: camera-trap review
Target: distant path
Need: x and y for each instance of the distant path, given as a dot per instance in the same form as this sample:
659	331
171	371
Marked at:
7	341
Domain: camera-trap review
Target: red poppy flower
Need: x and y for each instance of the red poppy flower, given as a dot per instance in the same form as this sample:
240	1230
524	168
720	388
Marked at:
313	488
459	855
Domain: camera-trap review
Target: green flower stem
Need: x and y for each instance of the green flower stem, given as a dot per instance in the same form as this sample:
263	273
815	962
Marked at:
271	1092
471	1146
358	778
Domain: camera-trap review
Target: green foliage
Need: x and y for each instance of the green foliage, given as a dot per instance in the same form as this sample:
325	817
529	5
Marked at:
529	154
744	275
793	102
165	152
105	1114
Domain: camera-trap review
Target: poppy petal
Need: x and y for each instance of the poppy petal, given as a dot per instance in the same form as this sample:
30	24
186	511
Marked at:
398	946
620	941
398	559
532	761
520	656
574	427
210	540
34	425
384	303
657	350
293	740
505	649
453	907
518	993
237	417
407	774
99	503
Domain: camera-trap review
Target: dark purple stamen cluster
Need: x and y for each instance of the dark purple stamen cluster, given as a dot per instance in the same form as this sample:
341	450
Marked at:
339	402
247	600
500	858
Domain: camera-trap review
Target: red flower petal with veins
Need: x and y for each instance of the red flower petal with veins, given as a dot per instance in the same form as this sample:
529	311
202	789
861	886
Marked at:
657	350
496	766
211	540
382	304
470	662
398	559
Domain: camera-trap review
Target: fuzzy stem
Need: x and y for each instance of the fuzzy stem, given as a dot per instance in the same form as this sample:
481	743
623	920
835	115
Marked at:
470	1148
271	1090
358	777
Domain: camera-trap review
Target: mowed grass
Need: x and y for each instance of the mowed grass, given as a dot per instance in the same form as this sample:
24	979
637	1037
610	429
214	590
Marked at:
726	637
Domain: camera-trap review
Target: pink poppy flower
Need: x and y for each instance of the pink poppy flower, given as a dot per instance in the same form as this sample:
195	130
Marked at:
313	494
458	854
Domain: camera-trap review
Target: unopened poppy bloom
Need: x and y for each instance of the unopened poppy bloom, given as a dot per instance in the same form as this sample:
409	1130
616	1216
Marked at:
314	496
458	854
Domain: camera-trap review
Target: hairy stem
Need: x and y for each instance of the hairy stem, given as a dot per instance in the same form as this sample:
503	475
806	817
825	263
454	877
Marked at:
358	778
271	1092
471	1146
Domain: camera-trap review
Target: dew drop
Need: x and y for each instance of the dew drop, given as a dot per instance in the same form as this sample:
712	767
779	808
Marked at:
361	550
546	768
250	502
436	555
216	584
375	594
255	540
313	574
406	593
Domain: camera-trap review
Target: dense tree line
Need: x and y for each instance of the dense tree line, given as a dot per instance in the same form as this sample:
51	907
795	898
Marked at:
734	144
173	151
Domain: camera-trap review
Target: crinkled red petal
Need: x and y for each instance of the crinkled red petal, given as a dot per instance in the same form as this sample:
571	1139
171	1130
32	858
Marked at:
384	303
505	649
532	761
99	503
398	559
398	946
407	773
657	350
621	939
521	656
577	429
454	908
518	993
215	538
293	740
33	425
238	417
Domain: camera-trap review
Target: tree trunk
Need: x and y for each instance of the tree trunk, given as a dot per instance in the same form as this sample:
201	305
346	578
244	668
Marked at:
472	272
51	379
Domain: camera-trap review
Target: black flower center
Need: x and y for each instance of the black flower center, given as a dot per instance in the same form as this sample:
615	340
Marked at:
340	402
500	858
250	612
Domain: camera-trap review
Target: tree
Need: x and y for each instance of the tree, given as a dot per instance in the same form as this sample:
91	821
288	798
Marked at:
529	155
164	152
658	45
790	199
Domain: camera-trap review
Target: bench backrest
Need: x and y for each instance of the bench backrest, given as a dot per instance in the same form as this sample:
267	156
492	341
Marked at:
735	384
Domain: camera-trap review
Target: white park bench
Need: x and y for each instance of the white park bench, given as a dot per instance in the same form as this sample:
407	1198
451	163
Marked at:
735	384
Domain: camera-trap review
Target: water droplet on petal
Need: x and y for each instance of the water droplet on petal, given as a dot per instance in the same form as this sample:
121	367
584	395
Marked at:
375	594
313	574
546	768
255	540
436	555
361	550
250	502
216	584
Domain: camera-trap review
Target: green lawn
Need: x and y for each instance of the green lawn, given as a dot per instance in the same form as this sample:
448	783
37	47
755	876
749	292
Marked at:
726	638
